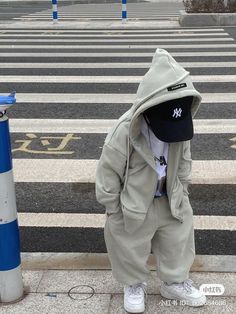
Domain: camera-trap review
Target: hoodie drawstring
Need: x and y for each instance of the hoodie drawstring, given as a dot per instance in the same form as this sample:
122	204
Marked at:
127	164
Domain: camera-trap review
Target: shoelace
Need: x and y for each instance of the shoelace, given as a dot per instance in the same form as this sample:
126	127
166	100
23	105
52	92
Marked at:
136	289
187	284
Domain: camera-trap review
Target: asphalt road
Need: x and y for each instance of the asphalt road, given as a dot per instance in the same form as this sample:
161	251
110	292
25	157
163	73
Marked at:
52	197
86	9
8	11
204	146
93	111
13	9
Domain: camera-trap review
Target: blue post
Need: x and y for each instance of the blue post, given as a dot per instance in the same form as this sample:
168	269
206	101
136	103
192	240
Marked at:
124	11
54	11
11	283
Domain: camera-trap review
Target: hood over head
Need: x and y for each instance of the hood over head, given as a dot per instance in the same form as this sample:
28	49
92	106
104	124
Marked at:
165	80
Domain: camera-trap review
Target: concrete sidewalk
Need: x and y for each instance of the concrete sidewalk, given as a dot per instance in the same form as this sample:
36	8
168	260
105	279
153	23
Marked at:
52	292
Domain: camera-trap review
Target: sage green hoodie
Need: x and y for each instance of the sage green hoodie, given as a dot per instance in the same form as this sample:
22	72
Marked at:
126	177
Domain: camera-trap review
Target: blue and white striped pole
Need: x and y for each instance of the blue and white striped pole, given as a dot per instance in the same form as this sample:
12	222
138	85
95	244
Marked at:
54	11
11	283
124	11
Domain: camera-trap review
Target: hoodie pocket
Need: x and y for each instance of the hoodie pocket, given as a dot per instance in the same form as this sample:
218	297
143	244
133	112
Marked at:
132	219
177	193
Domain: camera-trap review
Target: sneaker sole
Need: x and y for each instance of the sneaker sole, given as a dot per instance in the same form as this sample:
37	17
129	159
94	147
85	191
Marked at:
138	309
195	303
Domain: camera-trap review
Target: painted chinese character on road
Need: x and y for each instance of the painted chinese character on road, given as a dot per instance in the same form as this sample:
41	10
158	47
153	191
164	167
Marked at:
46	144
234	140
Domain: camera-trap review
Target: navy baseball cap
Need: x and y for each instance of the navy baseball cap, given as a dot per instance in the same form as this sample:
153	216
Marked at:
171	121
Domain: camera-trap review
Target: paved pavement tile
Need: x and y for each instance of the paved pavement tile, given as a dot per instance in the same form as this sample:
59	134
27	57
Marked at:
103	282
59	303
62	281
228	280
31	280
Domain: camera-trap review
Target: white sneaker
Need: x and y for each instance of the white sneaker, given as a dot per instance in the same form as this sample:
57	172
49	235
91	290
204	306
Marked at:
134	297
184	292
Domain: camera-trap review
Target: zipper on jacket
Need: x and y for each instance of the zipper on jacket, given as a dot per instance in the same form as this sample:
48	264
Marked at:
157	178
154	193
180	219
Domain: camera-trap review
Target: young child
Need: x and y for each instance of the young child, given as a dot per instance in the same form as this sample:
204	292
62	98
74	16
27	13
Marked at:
142	180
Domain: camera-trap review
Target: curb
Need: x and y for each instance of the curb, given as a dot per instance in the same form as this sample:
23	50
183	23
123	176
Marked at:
207	19
45	261
91	25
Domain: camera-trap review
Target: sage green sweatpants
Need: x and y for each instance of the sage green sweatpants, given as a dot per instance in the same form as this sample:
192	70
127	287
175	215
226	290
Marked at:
171	242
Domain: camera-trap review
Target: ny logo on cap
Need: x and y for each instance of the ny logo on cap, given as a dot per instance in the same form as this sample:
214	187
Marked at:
177	112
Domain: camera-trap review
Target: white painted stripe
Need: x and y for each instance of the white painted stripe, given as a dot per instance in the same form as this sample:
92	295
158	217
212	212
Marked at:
115	54
215	222
74	220
62	220
214	126
122	35
109	98
38	15
214	172
107	17
54	170
103	79
82	14
75	98
208	64
60	125
125	46
109	65
207	126
102	11
167	31
115	17
100	14
95	17
80	65
50	40
72	170
218	97
69	79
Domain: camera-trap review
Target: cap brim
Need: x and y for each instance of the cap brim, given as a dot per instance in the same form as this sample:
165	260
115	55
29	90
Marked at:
181	130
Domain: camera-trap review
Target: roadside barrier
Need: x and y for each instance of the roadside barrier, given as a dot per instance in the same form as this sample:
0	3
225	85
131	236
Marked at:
54	11
124	11
11	283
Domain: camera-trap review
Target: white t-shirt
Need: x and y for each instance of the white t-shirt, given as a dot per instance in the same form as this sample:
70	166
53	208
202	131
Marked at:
158	148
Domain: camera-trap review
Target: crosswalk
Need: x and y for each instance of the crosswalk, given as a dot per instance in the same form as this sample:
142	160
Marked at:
112	11
71	87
